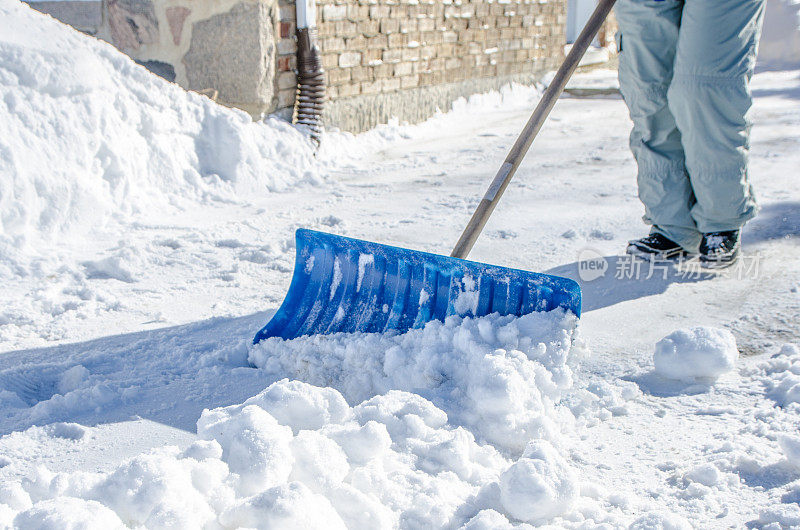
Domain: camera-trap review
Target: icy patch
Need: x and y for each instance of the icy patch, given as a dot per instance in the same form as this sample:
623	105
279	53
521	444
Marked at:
501	377
701	353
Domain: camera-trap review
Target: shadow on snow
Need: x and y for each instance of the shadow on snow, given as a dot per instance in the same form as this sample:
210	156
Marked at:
627	279
167	375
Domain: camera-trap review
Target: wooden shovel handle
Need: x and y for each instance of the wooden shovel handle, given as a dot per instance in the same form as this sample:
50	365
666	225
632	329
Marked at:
517	153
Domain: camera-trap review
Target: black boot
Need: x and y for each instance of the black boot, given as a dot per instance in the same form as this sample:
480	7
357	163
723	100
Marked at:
655	247
719	249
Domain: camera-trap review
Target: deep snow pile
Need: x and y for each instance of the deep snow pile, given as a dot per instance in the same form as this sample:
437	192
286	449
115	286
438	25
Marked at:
297	455
88	138
94	148
293	456
498	376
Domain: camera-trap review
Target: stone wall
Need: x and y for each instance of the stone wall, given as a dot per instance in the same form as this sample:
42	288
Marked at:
83	15
224	48
406	58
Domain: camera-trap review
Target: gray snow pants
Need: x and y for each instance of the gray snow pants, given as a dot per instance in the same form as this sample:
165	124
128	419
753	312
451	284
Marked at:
685	68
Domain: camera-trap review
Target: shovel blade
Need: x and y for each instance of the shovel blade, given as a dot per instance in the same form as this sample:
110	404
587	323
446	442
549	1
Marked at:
349	285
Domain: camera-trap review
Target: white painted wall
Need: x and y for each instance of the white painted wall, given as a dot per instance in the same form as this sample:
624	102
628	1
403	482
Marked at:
780	42
578	12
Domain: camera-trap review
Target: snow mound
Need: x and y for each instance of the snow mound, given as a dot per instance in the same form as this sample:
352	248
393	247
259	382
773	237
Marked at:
781	376
539	486
70	513
700	353
419	430
88	138
791	449
779	517
501	377
392	461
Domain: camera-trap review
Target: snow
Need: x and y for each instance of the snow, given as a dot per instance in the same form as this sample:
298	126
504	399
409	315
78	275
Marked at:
791	448
701	353
539	486
292	506
72	379
337	278
90	141
781	376
150	235
68	513
89	138
500	377
705	474
660	521
468	295
324	464
364	261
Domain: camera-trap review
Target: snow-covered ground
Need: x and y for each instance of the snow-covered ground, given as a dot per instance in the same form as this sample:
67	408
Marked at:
146	235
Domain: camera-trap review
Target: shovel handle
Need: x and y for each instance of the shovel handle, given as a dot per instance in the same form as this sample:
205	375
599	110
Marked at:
537	119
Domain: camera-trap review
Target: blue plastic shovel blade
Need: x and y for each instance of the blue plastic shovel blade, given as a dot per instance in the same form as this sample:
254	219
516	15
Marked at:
348	285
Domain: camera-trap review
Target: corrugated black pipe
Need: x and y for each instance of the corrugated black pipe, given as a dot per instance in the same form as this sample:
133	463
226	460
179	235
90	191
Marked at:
310	100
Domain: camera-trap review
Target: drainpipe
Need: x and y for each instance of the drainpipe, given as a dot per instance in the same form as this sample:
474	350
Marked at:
310	98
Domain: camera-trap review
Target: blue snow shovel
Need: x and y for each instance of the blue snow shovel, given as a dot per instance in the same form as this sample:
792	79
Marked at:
348	285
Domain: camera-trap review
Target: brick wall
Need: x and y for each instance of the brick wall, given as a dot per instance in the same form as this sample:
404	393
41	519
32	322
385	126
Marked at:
382	58
388	48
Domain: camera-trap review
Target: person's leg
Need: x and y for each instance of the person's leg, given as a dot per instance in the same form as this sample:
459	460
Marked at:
710	98
648	41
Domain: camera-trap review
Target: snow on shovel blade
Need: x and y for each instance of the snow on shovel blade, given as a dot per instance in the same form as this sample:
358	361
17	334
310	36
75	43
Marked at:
348	285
